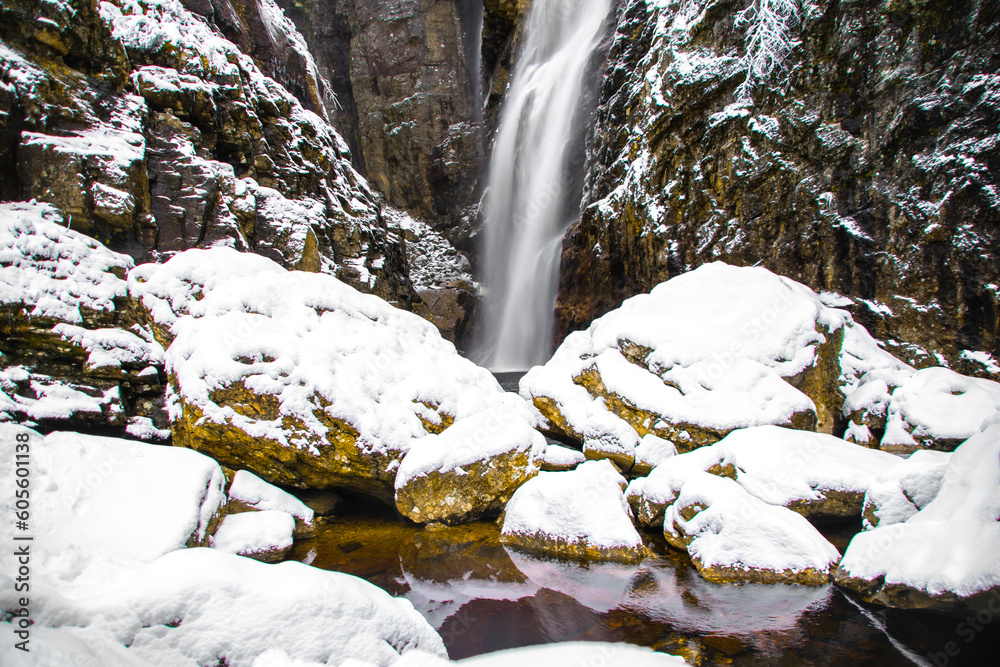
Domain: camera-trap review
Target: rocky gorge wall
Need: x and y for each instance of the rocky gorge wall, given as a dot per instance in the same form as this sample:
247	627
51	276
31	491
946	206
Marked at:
862	163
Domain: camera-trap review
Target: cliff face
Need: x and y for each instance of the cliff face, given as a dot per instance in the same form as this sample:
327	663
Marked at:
859	155
407	82
151	132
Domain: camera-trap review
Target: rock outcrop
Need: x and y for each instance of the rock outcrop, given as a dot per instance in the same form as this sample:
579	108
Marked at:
153	133
71	354
857	165
407	78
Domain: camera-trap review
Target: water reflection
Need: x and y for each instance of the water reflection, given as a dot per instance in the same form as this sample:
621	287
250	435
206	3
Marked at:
483	597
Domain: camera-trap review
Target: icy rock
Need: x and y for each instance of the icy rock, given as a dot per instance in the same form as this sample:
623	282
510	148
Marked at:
545	515
905	489
703	354
470	470
265	535
814	474
298	377
558	458
944	557
248	493
734	536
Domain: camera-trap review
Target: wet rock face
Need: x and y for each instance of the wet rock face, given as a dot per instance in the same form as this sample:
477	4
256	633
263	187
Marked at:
863	171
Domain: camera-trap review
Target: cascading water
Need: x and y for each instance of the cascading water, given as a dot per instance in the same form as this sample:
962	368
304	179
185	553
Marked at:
526	212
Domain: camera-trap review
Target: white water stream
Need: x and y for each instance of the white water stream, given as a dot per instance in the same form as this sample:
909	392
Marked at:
526	212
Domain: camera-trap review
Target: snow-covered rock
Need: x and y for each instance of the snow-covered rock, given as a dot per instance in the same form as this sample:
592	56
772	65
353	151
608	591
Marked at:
576	653
298	377
248	492
945	555
203	606
265	535
905	489
68	344
471	469
99	498
734	536
559	458
703	354
938	408
580	514
651	452
816	475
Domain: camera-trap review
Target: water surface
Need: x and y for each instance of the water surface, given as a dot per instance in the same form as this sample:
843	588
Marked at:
483	597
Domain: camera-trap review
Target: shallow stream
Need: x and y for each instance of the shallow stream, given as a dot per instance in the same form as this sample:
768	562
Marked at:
483	597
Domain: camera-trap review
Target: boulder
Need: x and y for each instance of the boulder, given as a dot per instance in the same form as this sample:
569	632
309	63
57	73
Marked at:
651	452
470	470
733	536
108	499
265	535
249	493
558	458
547	515
939	409
298	377
905	489
706	353
944	556
819	476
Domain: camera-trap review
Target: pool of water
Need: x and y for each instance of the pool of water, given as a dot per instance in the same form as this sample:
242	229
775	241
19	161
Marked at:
484	597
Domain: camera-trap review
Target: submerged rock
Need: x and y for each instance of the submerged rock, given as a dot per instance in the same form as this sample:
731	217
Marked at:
944	556
580	514
470	470
298	377
733	536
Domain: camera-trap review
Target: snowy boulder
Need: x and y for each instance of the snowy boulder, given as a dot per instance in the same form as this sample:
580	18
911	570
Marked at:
206	607
265	536
110	496
937	408
67	343
734	536
817	475
298	377
558	458
248	492
706	353
650	496
945	556
576	514
905	489
470	470
651	452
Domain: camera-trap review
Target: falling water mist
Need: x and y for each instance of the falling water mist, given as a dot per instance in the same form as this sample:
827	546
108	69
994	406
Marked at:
532	177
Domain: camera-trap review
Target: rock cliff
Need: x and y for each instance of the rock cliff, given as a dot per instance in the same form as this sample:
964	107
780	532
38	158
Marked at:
851	147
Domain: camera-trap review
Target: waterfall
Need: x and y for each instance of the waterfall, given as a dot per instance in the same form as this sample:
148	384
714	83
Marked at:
528	204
